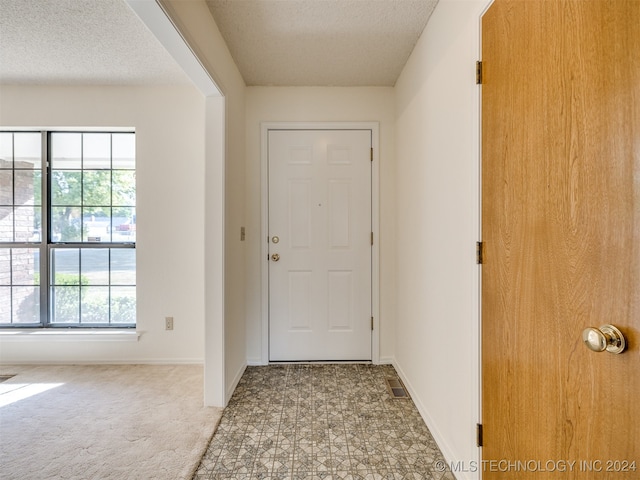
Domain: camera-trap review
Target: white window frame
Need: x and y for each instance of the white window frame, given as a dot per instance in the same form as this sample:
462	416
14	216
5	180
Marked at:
46	245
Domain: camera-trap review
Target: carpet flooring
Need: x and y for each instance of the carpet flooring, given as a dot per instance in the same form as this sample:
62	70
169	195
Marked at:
103	422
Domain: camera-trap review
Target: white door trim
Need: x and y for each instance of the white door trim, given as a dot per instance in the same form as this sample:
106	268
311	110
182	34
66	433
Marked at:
375	223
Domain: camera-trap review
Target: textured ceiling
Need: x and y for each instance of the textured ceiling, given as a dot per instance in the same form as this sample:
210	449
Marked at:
274	42
321	42
80	42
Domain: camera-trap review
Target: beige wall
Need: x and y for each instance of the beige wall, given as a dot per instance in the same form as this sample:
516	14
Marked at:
201	33
170	190
319	104
437	226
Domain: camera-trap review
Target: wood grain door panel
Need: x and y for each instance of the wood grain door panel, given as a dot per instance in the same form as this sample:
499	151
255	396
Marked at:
561	234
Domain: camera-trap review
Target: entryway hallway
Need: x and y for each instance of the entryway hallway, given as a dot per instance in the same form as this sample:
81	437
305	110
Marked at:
321	421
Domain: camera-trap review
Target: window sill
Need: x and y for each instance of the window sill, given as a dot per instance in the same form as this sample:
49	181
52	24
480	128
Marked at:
80	335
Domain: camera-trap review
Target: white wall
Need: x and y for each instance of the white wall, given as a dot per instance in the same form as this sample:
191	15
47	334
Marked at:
193	19
169	124
437	225
319	104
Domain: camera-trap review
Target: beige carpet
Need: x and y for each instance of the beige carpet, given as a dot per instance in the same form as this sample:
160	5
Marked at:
103	422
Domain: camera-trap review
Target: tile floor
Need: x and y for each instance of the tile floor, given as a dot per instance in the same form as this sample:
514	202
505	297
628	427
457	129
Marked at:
321	422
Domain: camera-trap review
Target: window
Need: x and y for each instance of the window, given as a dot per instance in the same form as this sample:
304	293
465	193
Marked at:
67	229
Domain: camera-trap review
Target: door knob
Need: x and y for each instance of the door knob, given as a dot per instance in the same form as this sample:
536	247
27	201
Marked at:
607	337
275	257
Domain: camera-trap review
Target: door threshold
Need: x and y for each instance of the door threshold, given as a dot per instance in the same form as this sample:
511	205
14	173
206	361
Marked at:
319	362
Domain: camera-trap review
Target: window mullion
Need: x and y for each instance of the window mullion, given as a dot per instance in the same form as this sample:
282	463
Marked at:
80	275
45	288
12	290
109	280
111	209
13	194
81	229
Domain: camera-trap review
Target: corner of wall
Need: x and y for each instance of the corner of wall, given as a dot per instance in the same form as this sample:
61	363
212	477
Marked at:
437	155
195	22
231	386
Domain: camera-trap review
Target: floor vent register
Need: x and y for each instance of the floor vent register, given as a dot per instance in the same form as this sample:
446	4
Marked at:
396	388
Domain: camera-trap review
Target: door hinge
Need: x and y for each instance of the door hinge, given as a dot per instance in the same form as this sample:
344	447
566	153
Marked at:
371	238
478	72
479	439
372	323
479	252
372	154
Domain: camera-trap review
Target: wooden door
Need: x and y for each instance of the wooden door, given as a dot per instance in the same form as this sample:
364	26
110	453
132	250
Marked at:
561	234
320	232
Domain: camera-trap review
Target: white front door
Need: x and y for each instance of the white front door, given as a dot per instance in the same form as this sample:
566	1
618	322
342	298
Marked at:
319	244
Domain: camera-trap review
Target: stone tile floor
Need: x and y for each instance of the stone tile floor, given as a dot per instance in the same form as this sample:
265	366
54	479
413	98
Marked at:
321	421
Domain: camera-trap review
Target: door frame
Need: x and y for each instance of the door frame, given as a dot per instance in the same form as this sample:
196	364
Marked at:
478	331
478	324
374	127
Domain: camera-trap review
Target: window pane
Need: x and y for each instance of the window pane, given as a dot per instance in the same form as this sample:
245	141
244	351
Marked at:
97	187
124	188
28	187
66	224
27	224
26	304
20	188
100	280
123	305
66	187
96	224
6	187
95	266
96	150
65	266
19	290
5	305
123	266
124	224
25	266
66	150
66	304
27	150
6	149
6	224
5	266
124	150
95	305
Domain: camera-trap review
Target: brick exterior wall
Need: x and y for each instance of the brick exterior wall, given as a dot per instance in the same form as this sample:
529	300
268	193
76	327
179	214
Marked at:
18	266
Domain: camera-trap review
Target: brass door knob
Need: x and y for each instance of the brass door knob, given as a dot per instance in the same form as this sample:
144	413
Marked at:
275	257
607	337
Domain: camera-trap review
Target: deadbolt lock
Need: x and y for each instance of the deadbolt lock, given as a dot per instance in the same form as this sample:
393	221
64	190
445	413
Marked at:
275	239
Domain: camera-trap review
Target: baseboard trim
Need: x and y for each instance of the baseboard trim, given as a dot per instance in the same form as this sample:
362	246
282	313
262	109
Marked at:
446	450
